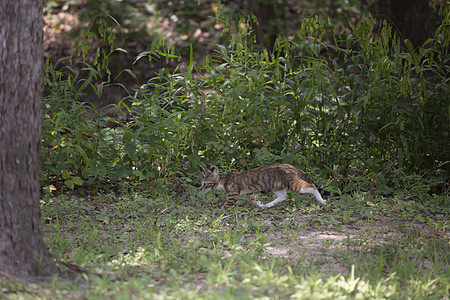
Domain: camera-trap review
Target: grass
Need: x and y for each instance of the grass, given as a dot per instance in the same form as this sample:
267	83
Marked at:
360	246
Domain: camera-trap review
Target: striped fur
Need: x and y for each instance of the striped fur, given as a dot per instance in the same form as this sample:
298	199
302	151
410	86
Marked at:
278	178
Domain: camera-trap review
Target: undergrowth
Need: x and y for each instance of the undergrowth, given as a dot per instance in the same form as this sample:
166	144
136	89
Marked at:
360	104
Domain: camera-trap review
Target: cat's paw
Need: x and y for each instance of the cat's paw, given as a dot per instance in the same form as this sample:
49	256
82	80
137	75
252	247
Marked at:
260	204
269	205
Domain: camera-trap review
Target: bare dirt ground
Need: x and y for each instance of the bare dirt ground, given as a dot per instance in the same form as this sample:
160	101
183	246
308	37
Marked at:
323	250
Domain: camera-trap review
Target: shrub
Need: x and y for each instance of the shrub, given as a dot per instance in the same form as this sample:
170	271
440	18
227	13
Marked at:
366	102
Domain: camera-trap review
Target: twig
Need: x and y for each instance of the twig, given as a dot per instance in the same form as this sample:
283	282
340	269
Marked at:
442	164
73	267
97	271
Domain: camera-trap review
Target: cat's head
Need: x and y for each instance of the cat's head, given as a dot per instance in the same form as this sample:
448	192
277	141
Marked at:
211	179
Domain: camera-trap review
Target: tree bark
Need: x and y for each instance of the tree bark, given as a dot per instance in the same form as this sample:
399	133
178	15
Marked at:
22	249
267	13
415	19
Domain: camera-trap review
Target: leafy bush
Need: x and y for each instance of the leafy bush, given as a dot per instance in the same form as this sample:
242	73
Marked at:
361	103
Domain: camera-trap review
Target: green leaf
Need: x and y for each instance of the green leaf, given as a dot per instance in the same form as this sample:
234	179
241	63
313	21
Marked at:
83	154
405	147
130	147
139	174
121	50
191	60
65	174
99	89
69	184
427	42
77	180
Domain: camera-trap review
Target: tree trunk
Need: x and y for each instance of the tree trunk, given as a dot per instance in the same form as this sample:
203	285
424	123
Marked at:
415	19
267	12
22	249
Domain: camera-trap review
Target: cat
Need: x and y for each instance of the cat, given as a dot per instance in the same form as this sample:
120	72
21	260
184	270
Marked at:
278	178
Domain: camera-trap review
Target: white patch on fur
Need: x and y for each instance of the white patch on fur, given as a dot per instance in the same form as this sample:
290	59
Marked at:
260	204
281	196
315	192
220	187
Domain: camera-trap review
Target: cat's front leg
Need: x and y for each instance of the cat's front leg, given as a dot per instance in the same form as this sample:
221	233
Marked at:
232	197
256	201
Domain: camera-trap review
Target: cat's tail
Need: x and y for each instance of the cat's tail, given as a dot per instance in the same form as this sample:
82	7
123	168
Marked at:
304	187
318	192
323	192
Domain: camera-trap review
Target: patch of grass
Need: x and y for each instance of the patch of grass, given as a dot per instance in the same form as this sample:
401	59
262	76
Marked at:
136	246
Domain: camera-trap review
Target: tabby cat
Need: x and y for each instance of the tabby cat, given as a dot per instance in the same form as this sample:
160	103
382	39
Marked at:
278	178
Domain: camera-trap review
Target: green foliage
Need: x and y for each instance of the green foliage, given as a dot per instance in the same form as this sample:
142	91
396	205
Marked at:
365	103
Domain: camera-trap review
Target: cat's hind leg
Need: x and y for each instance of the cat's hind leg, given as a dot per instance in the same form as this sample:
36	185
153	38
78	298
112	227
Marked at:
281	195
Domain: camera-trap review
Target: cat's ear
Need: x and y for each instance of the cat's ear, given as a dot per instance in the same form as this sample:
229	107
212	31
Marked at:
216	174
204	169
